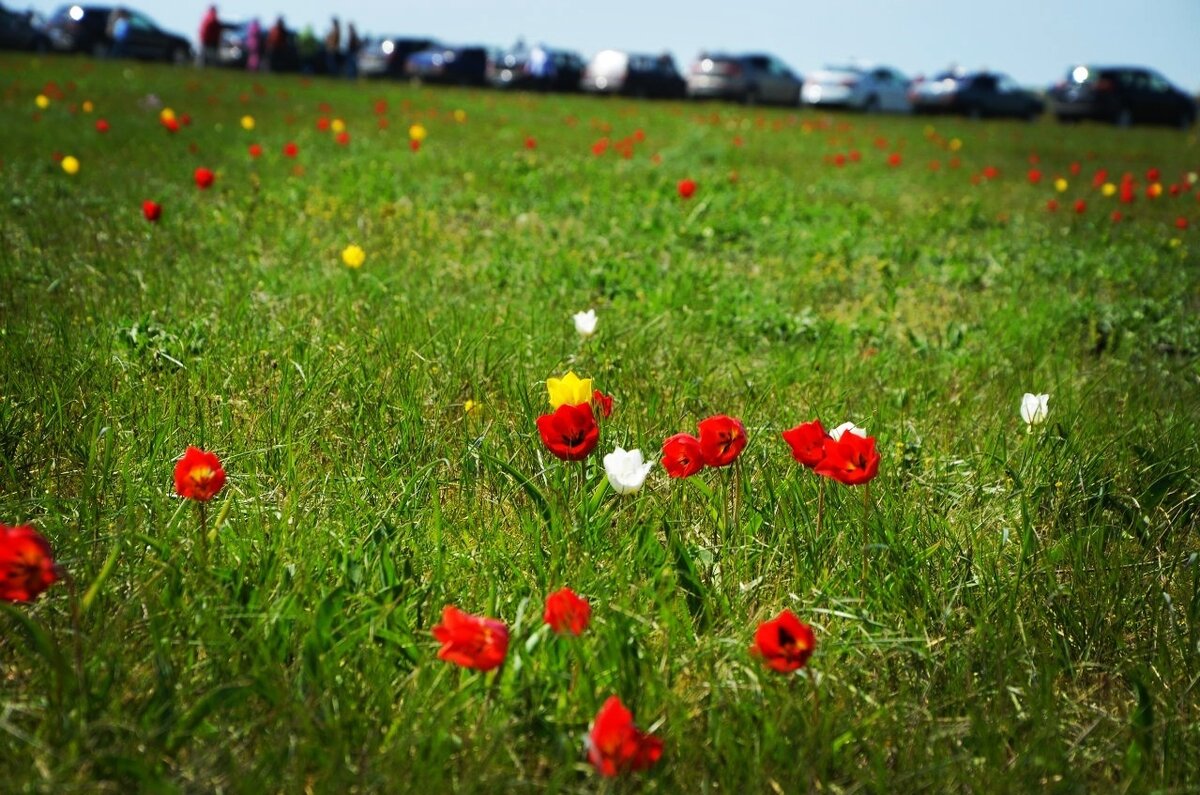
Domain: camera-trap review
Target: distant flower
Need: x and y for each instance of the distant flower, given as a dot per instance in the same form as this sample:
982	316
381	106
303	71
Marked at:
1108	189
626	471
1153	175
247	122
343	138
42	101
472	408
471	641
850	459
171	125
1075	169
152	210
615	745
1080	206
290	149
417	132
686	188
784	643
530	142
70	165
353	256
570	432
566	612
1052	205
894	159
1154	190
807	441
603	402
255	151
1116	216
323	124
1034	408
991	172
1061	185
682	456
101	126
88	106
198	475
1034	176
460	115
337	126
27	564
1181	223
568	390
166	114
414	145
585	322
204	178
722	439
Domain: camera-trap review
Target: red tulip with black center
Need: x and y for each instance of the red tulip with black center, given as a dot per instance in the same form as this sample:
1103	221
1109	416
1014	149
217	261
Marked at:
571	432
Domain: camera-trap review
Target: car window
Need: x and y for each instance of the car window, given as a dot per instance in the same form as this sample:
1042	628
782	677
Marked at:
779	68
882	75
1007	85
139	22
1158	84
985	83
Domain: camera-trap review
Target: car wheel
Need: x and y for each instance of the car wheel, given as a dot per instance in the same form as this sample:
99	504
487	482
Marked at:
1124	118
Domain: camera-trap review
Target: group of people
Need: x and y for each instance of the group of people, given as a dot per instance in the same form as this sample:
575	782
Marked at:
280	49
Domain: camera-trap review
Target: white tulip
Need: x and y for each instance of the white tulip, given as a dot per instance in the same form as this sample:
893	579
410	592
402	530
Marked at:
626	470
585	322
836	433
1034	408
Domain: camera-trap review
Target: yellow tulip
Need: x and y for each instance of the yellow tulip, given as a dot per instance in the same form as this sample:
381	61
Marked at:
166	114
354	256
1060	185
70	165
42	101
88	107
472	407
1109	189
570	390
1155	190
247	122
338	126
955	144
417	132
460	115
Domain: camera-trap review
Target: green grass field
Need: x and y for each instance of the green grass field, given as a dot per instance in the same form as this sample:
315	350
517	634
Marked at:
1009	609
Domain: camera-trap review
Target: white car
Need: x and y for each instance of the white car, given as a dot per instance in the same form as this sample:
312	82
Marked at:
868	88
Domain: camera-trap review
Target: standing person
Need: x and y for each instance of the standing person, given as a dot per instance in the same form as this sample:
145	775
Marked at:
117	29
333	43
276	42
353	45
253	45
210	38
308	47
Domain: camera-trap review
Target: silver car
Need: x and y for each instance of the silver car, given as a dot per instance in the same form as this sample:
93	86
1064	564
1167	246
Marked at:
752	79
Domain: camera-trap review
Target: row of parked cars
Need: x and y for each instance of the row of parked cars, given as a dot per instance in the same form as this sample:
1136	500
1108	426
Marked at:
1122	95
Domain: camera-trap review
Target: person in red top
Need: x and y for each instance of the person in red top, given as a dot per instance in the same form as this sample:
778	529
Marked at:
210	37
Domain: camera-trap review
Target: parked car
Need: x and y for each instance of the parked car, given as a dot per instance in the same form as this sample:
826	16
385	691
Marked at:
751	79
866	88
537	69
84	29
385	56
463	66
1123	95
975	94
233	49
616	72
22	30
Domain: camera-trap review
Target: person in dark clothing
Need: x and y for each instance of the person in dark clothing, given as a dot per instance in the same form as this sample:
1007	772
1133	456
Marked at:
210	38
333	45
276	42
353	45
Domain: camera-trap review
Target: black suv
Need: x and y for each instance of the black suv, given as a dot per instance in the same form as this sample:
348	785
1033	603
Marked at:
21	31
1123	95
85	29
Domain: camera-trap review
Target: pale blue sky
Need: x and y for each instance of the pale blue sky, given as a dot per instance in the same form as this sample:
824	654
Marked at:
1033	40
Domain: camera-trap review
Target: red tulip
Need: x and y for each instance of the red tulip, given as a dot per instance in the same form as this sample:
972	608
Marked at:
530	142
1035	176
471	641
185	120
1181	223
839	160
198	475
682	456
615	745
807	441
414	145
1099	178
1052	205
1080	206
991	172
323	124
855	156
566	612
603	402
1116	216
204	178
1075	169
1153	175
152	210
1127	191
255	151
851	460
27	564
101	126
686	188
171	125
290	149
894	159
721	440
784	643
571	432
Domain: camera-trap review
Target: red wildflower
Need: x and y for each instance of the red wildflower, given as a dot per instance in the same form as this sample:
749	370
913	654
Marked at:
1080	206
600	147
603	402
530	142
255	151
323	124
171	125
1035	176
682	456
991	172
1153	175
204	178
566	612
1075	169
1181	223
615	745
198	475
290	149
784	643
894	159
471	641
1099	178
152	210
570	432
1127	191
185	120
851	460
101	126
343	138
839	160
1116	216
26	564
414	145
807	441
721	440
855	156
686	188
1052	205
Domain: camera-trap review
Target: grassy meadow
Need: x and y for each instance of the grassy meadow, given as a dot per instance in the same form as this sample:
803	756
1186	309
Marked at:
1006	608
